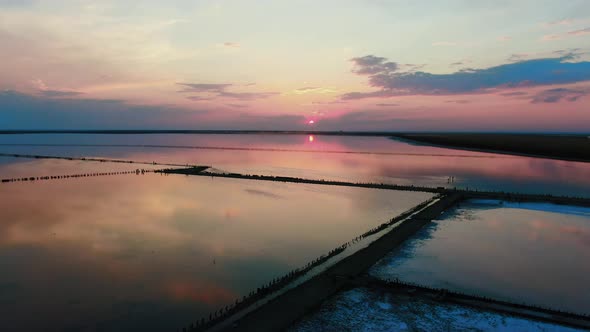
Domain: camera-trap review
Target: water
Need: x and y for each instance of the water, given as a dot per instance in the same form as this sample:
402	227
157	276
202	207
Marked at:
535	253
155	252
403	163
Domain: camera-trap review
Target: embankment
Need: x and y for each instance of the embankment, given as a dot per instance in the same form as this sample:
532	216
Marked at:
281	312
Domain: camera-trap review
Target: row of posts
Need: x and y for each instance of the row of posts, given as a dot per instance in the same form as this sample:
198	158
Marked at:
71	176
516	197
102	160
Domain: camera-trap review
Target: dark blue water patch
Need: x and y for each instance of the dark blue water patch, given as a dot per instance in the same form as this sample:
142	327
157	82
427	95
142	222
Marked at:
535	206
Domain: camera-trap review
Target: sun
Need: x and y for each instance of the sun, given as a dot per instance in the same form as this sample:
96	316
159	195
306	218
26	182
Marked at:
310	122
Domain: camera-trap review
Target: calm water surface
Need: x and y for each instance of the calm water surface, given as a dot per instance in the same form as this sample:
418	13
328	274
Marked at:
157	252
402	163
534	253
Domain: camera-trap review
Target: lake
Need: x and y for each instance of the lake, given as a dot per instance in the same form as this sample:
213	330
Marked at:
157	252
376	159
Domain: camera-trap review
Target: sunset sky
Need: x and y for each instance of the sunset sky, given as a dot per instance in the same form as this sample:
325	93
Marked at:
518	65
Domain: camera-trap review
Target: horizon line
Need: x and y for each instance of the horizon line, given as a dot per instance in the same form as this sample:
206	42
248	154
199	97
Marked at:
273	132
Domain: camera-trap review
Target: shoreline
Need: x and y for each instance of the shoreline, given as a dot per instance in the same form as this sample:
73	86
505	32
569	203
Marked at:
574	148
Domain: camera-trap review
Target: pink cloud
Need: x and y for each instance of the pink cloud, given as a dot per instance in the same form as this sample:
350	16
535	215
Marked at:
567	21
580	32
551	37
231	44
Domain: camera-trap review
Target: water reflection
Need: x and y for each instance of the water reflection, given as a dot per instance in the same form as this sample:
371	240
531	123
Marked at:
407	164
536	253
155	252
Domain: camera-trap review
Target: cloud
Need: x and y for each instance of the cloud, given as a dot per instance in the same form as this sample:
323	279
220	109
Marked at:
60	93
374	94
45	91
382	119
270	122
308	88
387	105
574	33
580	32
444	43
518	57
24	111
198	98
535	72
458	101
370	65
204	87
566	21
333	102
220	90
459	63
414	67
574	52
551	37
312	89
514	94
237	105
39	84
247	95
231	44
559	94
504	38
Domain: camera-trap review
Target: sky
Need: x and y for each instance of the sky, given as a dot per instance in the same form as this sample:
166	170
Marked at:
458	65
